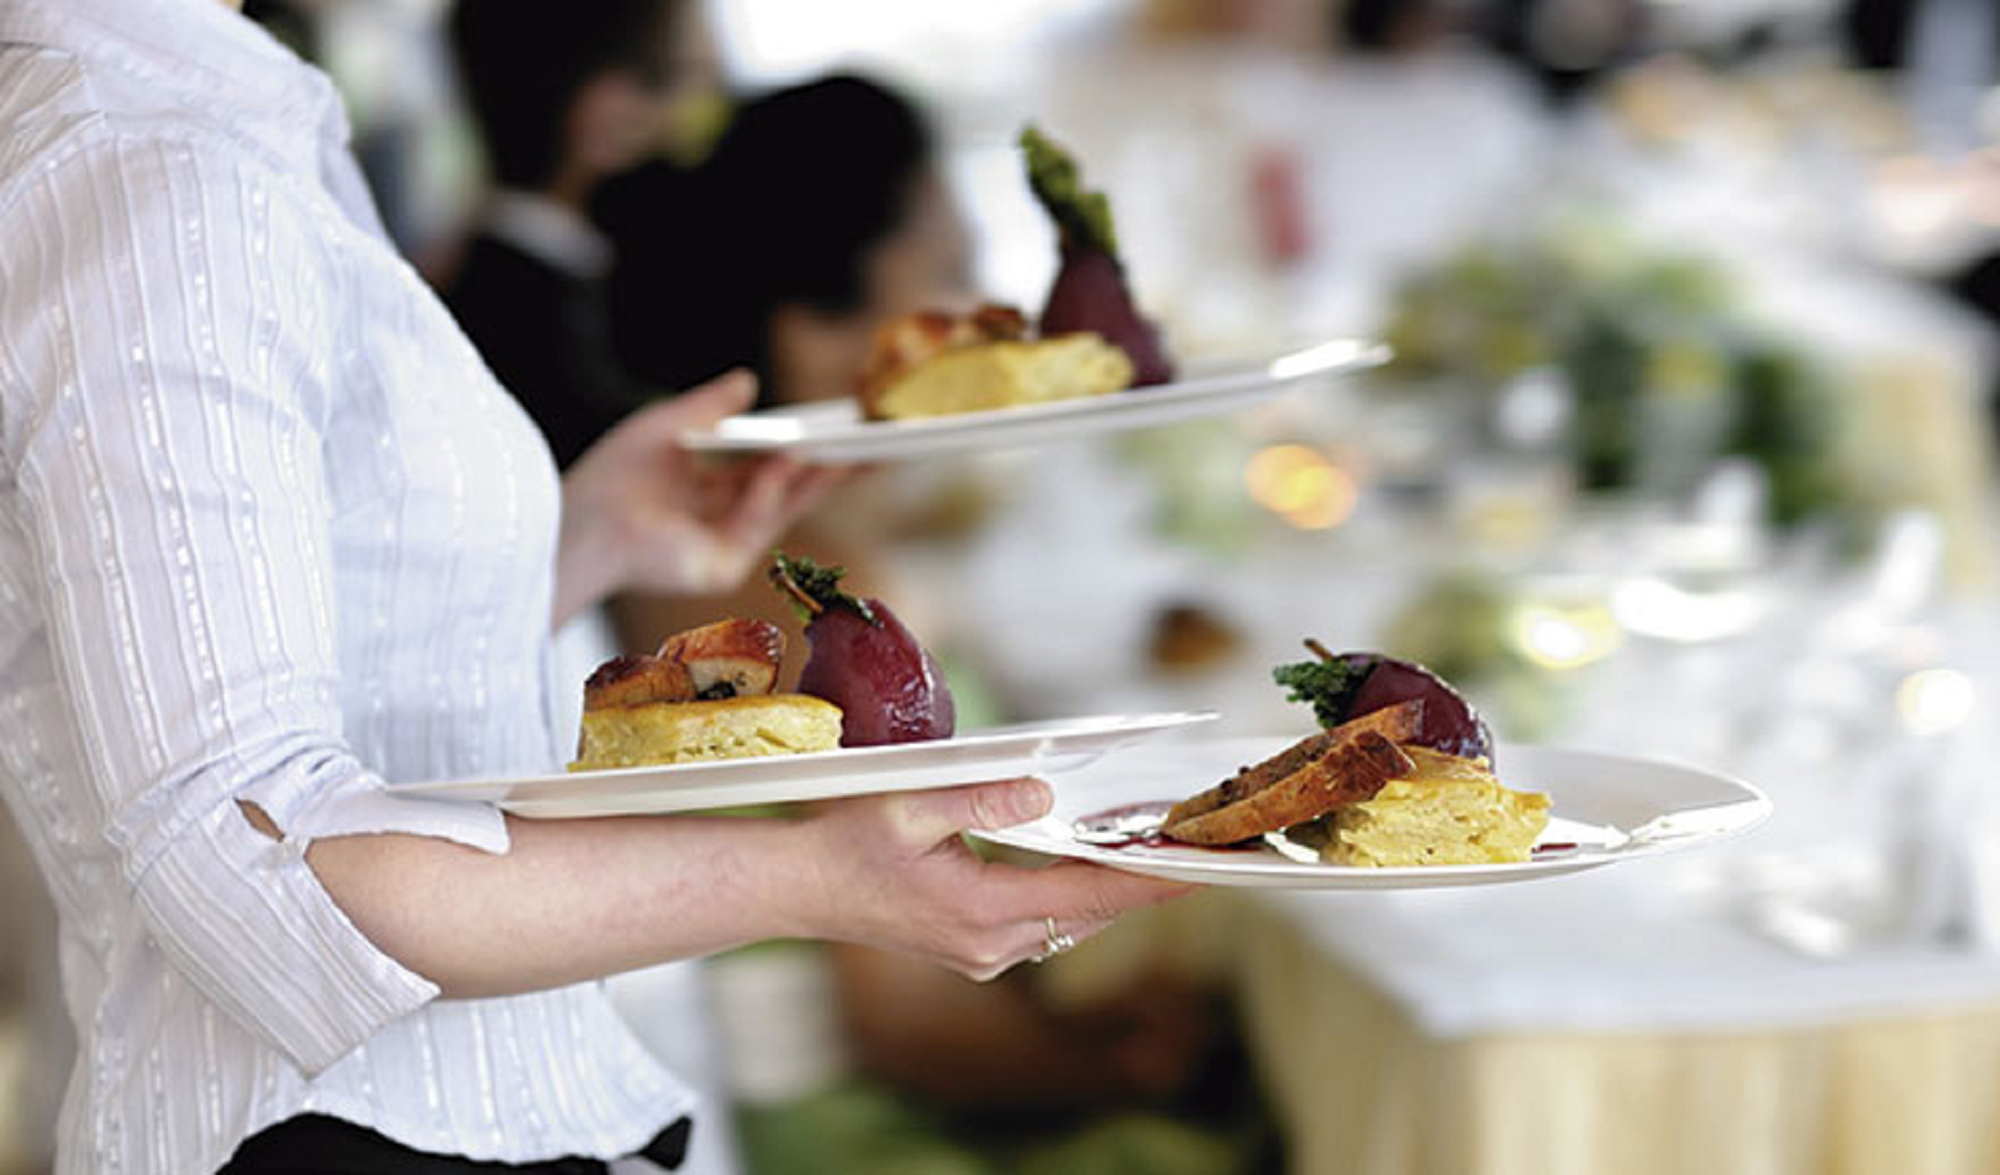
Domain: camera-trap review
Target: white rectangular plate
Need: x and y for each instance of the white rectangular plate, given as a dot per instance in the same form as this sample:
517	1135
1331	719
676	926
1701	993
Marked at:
1034	748
834	432
1610	808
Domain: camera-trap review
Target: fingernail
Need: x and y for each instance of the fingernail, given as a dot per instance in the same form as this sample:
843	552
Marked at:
1031	799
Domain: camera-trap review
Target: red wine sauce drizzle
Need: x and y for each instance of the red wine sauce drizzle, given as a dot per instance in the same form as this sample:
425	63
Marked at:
1149	838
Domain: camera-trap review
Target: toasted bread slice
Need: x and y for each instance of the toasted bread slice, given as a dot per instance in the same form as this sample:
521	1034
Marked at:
1350	770
1398	724
636	681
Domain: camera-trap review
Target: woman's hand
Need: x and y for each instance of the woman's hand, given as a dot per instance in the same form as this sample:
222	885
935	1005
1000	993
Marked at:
890	871
641	512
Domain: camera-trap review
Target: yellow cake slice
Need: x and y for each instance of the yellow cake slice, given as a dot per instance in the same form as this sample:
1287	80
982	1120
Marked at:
687	732
1449	811
983	376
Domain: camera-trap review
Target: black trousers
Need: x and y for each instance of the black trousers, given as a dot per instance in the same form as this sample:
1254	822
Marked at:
313	1144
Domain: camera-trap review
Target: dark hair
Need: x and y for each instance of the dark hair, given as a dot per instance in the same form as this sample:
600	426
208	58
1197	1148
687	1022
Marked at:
521	64
1374	25
289	23
1878	32
803	186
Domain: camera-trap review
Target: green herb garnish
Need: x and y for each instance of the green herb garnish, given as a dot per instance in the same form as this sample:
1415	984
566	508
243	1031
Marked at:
812	588
1328	683
1083	216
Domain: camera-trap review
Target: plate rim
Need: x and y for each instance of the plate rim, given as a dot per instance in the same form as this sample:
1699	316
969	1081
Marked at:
997	743
1277	872
1254	375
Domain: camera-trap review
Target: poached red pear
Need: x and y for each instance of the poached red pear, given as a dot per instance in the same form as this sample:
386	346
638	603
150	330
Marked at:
1091	292
865	660
1344	686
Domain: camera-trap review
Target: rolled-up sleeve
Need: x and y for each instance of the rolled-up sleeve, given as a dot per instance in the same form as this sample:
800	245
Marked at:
166	328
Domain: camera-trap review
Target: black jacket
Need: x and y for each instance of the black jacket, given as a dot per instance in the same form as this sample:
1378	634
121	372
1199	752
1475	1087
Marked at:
547	335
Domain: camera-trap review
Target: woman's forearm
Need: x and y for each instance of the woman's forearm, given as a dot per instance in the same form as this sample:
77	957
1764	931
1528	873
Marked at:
572	900
579	899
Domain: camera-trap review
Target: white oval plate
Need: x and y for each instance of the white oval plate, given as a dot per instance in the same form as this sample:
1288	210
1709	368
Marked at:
834	432
1610	807
1034	748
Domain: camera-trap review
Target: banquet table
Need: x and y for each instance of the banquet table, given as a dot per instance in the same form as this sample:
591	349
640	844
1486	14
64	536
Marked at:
1404	1034
1362	1086
1821	995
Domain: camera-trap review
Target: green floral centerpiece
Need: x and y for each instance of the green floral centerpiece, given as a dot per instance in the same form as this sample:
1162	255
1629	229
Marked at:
1664	370
1666	373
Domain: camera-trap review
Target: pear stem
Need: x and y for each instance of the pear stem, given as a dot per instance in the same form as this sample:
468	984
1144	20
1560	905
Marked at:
813	607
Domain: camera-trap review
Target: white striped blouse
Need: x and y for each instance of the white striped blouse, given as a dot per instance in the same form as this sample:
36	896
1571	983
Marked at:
269	531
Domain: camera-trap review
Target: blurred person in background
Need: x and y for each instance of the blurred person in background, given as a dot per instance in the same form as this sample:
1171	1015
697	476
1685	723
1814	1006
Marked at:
1399	26
1564	44
820	213
1898	34
1567	45
562	105
272	535
1948	53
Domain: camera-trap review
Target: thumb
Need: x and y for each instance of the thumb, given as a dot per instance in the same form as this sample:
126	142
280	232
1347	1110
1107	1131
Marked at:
666	420
706	403
932	816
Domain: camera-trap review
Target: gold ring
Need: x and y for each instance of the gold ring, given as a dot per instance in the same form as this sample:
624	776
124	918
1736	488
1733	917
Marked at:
1054	942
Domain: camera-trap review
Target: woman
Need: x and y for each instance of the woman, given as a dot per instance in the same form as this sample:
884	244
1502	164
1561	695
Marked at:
821	212
270	535
560	106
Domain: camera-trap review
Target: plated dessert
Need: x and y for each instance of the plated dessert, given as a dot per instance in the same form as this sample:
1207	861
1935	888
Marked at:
1606	809
1397	790
1090	339
710	692
1401	773
705	694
